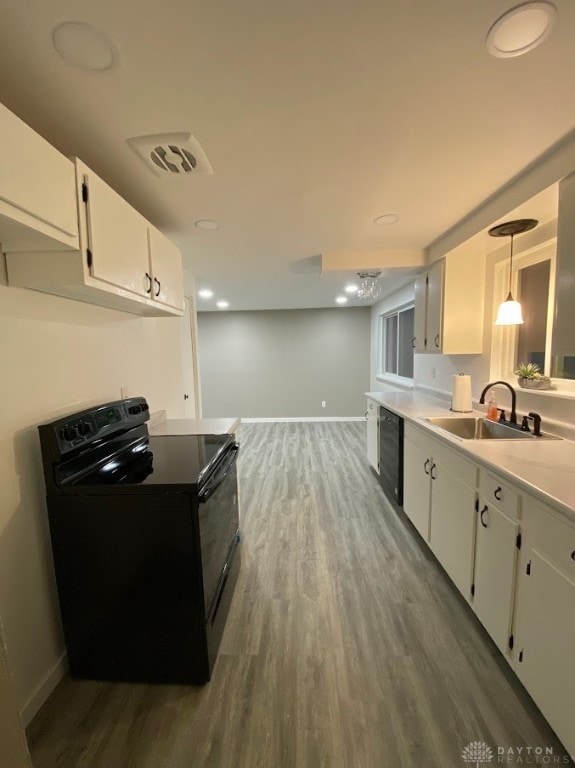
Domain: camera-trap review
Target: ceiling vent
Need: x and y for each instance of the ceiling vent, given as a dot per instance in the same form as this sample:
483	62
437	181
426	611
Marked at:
172	154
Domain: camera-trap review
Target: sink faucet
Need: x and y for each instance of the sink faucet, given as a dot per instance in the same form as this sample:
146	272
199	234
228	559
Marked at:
513	417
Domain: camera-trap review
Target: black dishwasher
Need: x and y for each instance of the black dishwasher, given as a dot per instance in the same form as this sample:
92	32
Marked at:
391	455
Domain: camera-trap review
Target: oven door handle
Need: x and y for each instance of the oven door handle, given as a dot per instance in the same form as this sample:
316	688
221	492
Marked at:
214	482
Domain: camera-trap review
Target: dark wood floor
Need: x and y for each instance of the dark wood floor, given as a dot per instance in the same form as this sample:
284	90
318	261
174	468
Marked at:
346	645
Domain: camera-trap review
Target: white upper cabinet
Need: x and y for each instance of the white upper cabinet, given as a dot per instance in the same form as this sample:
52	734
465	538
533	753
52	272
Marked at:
122	261
420	314
435	281
38	208
166	263
115	234
449	306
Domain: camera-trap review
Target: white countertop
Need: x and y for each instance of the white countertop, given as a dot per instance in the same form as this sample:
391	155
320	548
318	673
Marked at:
545	468
224	426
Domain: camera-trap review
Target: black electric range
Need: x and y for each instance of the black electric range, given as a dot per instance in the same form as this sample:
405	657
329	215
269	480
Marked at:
145	539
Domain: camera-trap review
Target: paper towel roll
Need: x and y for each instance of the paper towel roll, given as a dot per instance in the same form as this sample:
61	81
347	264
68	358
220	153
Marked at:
461	396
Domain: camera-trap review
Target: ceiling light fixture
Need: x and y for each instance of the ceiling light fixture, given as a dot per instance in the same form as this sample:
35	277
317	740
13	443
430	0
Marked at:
205	293
341	300
351	288
222	304
369	285
386	218
521	29
509	312
84	46
206	224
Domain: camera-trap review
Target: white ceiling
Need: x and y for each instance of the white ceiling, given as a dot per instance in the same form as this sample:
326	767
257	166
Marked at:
316	117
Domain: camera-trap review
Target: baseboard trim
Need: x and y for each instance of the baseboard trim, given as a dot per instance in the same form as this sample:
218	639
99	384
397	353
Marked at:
43	690
302	418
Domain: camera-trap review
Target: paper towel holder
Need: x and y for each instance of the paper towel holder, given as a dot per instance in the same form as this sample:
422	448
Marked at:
467	406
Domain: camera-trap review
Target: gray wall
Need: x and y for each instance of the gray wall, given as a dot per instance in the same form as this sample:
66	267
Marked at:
284	362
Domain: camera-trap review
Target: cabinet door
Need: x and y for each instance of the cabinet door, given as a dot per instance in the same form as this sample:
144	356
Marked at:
420	312
373	434
36	178
416	486
167	274
548	639
117	238
452	536
435	307
495	568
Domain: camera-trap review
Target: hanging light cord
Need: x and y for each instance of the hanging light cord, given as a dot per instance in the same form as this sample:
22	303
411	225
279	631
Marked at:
511	266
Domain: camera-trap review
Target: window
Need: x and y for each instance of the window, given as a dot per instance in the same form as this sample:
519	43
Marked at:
396	335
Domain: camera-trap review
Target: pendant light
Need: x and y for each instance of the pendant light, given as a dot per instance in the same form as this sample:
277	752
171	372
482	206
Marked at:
509	312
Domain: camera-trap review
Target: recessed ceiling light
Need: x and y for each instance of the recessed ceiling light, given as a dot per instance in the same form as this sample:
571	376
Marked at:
521	29
341	299
351	288
205	293
222	304
206	224
84	46
386	219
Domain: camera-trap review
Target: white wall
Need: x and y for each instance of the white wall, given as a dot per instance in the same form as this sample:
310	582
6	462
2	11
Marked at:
59	356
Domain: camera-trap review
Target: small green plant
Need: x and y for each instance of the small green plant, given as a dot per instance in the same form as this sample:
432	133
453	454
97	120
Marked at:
529	371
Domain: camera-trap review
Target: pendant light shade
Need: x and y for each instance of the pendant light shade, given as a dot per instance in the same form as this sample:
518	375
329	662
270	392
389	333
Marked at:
509	312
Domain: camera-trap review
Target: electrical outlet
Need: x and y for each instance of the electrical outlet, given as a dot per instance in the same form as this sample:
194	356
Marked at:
432	371
124	392
323	403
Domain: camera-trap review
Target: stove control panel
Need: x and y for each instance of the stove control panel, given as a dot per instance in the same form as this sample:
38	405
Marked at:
90	425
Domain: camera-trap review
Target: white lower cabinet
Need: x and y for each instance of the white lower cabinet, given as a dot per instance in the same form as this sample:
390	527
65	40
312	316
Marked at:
452	534
372	416
495	569
439	495
545	618
417	486
512	557
548	643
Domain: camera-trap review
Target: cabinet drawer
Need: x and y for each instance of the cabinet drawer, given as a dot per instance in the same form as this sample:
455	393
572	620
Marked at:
499	493
420	437
465	469
460	466
550	536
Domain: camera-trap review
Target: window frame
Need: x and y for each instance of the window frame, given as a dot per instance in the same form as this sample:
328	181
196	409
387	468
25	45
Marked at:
382	374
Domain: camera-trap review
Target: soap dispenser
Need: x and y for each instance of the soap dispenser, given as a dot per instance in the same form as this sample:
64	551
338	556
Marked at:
492	409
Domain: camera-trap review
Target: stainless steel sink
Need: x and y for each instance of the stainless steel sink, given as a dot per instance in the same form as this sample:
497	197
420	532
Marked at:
478	428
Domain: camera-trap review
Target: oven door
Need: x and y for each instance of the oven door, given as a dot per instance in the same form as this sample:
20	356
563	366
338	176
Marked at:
218	516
